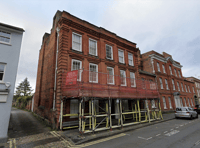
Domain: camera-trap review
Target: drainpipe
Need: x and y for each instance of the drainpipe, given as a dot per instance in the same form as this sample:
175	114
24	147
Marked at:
54	98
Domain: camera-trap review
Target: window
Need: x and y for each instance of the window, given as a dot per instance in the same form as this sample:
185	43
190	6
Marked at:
179	73
92	47
76	65
186	88
166	83
5	37
132	76
193	90
178	86
121	56
76	41
170	104
189	102
192	102
74	108
153	104
182	87
130	59
109	52
158	66
123	77
93	73
170	69
110	75
185	102
189	89
181	102
164	103
175	72
163	67
173	84
2	71
161	83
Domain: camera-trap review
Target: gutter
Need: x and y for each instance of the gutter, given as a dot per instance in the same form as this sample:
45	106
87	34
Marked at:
54	98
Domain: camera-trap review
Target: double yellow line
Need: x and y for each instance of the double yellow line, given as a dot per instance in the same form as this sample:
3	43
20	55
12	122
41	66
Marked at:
12	143
64	141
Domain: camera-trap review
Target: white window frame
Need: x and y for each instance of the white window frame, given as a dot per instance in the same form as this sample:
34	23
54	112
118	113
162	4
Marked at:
133	74
96	73
119	50
3	71
182	87
74	104
170	69
130	55
123	77
111	52
192	102
161	83
179	73
189	102
185	102
73	33
193	90
170	103
158	67
178	86
80	71
189	89
5	37
186	88
112	76
164	103
163	66
153	105
96	47
173	84
166	83
175	72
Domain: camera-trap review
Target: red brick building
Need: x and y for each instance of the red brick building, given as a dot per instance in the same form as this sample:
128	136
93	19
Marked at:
108	76
197	88
174	89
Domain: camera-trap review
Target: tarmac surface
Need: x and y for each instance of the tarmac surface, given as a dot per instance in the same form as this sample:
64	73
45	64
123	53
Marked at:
26	131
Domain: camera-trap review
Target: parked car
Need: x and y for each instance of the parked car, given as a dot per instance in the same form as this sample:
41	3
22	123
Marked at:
185	112
197	108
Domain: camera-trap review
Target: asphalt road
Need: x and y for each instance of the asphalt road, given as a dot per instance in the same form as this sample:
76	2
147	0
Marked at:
24	124
177	133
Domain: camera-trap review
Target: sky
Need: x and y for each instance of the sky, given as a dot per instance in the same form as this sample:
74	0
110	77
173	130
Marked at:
171	26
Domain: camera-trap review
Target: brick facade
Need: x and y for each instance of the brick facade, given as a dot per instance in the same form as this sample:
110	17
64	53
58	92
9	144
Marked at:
154	62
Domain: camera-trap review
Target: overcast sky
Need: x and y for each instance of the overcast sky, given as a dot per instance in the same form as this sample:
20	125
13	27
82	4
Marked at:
172	26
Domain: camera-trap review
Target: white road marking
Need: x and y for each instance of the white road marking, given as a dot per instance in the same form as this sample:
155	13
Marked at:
172	129
172	133
181	125
165	132
177	127
158	135
149	138
197	142
145	138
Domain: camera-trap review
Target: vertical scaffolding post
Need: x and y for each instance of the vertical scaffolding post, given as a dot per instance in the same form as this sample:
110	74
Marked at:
107	112
138	103
136	119
132	110
148	112
61	114
83	106
90	114
120	105
160	110
79	115
93	115
110	114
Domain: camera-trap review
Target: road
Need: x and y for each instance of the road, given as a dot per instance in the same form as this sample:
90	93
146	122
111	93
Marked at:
177	133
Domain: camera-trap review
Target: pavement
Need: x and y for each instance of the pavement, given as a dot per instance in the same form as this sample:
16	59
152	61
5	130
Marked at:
25	130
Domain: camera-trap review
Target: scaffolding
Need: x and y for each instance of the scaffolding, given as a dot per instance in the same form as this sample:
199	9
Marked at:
104	106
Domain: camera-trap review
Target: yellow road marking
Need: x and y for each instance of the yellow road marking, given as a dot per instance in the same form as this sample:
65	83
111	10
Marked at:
14	143
59	136
101	140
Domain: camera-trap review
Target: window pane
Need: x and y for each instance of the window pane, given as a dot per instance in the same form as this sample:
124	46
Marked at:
130	59
76	42
111	75
123	77
132	76
108	52
93	47
2	68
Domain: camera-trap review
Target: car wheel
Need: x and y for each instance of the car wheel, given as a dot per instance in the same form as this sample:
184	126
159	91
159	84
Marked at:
191	117
197	116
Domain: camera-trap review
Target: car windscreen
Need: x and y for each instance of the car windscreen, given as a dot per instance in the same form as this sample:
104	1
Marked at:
178	109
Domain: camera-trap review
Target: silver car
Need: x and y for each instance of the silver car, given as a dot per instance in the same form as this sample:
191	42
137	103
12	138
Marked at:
185	112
